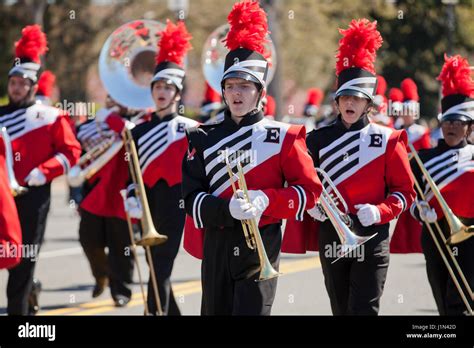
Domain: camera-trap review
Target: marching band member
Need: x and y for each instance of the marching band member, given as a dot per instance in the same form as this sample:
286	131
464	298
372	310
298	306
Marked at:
313	102
451	165
44	147
364	160
161	145
270	152
103	222
211	105
10	230
46	84
418	135
380	112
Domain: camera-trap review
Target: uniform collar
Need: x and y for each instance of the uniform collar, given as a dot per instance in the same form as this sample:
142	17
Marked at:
169	117
13	107
445	147
361	123
249	119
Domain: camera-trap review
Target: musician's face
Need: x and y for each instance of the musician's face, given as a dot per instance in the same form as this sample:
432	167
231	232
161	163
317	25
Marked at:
241	96
455	131
19	89
163	94
351	108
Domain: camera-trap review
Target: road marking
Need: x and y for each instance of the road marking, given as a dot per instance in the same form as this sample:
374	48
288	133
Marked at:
180	289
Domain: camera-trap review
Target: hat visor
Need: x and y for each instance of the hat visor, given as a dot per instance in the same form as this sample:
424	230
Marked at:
240	75
23	75
455	117
167	81
354	93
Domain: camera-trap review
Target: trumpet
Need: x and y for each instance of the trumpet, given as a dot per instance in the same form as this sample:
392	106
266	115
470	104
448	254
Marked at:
250	228
93	161
459	232
15	187
341	220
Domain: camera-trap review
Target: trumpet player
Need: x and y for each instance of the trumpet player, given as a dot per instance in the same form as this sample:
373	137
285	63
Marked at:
161	145
103	222
44	147
451	166
270	153
368	164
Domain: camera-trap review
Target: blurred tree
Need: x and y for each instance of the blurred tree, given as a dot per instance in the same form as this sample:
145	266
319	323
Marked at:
415	40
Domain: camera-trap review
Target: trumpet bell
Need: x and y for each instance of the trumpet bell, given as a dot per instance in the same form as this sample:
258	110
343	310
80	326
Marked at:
213	57
127	63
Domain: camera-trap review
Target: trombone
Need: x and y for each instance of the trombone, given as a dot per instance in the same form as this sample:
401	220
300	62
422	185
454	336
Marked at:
250	227
459	231
341	220
150	237
15	187
451	215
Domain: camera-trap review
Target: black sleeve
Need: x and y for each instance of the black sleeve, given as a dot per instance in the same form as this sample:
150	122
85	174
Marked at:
418	176
205	209
312	147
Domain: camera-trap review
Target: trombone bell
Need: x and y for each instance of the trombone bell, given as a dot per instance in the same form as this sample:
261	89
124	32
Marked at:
152	238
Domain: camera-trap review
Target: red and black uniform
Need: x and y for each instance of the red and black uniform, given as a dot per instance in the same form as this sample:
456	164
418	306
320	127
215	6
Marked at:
368	164
161	145
41	138
103	223
408	230
272	153
10	230
452	169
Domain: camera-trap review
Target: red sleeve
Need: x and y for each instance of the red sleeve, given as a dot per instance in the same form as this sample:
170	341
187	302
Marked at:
304	186
398	177
66	147
10	229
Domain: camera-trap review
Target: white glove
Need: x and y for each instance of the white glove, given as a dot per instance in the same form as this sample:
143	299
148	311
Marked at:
133	208
317	213
259	200
368	214
427	214
35	178
240	209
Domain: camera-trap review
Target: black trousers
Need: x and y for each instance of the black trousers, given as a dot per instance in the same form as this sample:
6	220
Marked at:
33	208
168	214
445	293
355	282
230	268
96	233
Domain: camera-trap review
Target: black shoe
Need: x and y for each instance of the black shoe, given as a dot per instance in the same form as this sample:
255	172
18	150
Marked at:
100	285
33	305
121	301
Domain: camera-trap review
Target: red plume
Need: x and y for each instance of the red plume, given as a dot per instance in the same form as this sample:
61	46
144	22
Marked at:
358	46
46	83
211	95
410	90
270	106
174	43
456	77
33	43
248	27
381	85
315	96
395	95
